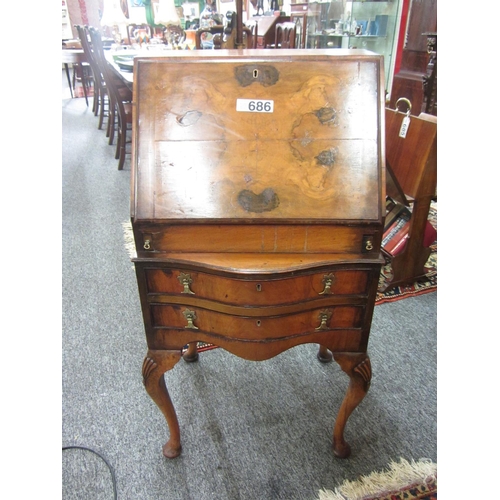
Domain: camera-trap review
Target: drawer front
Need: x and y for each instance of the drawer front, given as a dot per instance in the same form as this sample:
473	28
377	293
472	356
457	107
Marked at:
257	239
198	321
256	292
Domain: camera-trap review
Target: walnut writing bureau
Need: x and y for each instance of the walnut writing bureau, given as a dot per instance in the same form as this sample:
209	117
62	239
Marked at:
257	205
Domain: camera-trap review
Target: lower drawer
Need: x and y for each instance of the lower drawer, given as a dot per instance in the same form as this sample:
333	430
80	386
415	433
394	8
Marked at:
265	327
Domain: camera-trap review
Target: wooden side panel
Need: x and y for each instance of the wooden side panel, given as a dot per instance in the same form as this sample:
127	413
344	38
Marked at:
410	158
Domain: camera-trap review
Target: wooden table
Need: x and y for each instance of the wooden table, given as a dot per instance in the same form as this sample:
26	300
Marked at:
258	201
127	77
76	57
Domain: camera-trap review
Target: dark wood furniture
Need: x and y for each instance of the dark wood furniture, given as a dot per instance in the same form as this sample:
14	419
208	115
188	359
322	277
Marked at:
412	179
408	82
285	35
300	20
213	31
100	105
77	58
258	200
252	28
224	38
429	105
266	29
120	97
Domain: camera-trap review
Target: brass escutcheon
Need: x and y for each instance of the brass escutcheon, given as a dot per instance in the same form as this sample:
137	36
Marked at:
185	280
328	280
190	317
324	318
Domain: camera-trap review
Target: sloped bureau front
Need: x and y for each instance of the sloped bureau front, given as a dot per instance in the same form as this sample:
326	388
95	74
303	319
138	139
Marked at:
257	208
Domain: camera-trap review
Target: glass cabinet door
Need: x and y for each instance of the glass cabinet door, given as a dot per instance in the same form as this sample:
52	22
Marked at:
359	24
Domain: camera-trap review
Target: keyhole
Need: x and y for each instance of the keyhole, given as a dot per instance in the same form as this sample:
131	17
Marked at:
258	322
259	287
255	73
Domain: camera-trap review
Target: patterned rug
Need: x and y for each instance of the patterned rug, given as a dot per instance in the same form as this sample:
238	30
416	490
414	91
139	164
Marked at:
425	285
78	91
402	481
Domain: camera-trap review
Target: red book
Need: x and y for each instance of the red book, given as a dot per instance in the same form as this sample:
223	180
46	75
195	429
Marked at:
395	227
430	235
400	245
395	248
398	240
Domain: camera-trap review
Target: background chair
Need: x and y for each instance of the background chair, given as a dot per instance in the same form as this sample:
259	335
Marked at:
100	103
251	28
120	98
213	40
82	73
285	35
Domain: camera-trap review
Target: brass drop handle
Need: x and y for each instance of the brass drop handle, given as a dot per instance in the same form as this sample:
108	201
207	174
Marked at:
147	244
185	280
324	318
369	245
190	317
327	281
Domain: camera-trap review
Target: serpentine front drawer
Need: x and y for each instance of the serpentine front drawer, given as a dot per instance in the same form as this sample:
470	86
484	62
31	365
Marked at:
254	292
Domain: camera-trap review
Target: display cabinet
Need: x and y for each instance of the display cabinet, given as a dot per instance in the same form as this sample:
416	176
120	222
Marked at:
371	25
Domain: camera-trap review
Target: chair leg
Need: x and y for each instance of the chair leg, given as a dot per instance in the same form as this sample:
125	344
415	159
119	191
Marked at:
118	140
95	103
111	125
123	145
122	158
101	112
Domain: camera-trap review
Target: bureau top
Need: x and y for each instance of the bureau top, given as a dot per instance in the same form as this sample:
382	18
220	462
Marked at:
258	135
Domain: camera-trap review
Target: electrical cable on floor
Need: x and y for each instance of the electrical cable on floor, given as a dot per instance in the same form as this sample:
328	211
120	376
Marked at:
113	478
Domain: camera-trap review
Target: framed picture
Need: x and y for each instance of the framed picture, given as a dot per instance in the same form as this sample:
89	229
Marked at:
191	10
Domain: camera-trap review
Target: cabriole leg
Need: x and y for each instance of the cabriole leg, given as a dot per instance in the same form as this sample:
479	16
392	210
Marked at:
358	367
324	355
191	355
154	367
